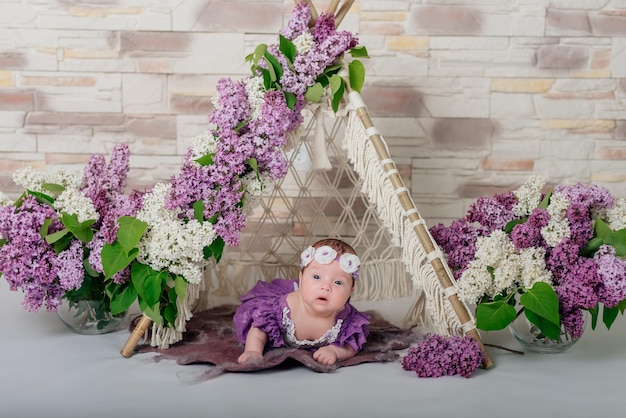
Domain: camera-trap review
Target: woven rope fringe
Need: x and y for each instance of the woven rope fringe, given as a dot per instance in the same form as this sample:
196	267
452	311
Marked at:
380	191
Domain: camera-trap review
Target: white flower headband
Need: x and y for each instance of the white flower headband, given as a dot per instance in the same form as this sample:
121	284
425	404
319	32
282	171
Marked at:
325	255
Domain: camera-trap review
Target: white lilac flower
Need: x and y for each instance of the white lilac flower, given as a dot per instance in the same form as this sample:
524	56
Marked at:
491	250
558	225
4	200
255	90
534	267
203	144
170	243
303	43
506	275
29	178
474	282
254	186
73	202
67	179
616	216
528	196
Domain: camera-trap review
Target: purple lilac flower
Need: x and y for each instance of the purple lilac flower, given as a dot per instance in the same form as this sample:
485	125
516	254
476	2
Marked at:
70	266
232	106
298	21
493	212
528	234
582	199
573	323
444	356
27	262
458	241
612	273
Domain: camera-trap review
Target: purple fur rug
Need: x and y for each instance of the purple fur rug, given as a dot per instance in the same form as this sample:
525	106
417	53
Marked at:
210	339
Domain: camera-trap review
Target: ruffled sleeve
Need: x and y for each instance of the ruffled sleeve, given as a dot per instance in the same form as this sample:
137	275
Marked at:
354	330
261	308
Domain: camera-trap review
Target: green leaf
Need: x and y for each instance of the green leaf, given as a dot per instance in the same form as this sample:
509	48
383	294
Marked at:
205	159
130	231
116	258
81	230
254	165
54	237
198	210
53	187
290	99
314	93
120	302
153	285
63	243
44	228
548	328
356	72
139	273
601	229
276	71
609	315
491	316
287	48
543	301
359	52
337	88
509	226
594	316
267	78
170	312
215	250
180	286
41	198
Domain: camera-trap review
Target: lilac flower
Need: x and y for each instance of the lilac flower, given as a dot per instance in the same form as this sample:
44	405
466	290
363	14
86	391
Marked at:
493	212
298	21
612	274
444	356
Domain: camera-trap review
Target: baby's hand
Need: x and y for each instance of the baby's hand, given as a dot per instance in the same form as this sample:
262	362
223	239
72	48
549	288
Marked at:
326	355
250	358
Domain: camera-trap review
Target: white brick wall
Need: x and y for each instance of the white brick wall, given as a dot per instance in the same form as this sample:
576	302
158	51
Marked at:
472	97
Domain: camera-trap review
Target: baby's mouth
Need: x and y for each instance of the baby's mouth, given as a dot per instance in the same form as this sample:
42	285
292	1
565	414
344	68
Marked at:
322	299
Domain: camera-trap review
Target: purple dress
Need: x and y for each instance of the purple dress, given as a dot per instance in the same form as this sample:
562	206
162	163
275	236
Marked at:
265	307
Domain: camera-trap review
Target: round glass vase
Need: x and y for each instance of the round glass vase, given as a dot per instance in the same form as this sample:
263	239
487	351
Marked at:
531	338
89	317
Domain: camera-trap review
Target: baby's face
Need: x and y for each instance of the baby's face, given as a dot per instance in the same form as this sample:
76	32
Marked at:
325	287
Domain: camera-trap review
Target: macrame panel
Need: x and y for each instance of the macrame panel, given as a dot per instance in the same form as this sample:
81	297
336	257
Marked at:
320	197
433	303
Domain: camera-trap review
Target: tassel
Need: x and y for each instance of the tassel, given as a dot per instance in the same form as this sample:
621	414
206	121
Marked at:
320	157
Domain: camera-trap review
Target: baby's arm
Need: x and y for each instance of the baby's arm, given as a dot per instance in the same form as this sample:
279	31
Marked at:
330	354
253	350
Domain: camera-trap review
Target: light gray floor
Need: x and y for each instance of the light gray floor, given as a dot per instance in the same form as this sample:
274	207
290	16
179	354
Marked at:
48	371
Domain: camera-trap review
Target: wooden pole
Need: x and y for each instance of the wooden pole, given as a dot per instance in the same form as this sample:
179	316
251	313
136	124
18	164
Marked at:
333	7
135	336
343	10
420	229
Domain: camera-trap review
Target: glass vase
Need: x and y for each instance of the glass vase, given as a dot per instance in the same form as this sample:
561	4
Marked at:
531	338
90	317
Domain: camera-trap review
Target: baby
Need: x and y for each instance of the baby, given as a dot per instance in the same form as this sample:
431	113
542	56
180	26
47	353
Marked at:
311	313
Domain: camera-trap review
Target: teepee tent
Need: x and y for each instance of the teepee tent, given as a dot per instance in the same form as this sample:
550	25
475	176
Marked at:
342	183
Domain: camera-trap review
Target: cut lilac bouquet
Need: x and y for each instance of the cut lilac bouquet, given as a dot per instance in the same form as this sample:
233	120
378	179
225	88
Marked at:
556	254
69	236
438	356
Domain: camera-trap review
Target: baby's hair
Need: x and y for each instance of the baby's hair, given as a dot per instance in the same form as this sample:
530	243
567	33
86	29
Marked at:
338	245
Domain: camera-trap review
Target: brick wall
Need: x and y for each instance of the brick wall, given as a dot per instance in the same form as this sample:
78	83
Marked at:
472	96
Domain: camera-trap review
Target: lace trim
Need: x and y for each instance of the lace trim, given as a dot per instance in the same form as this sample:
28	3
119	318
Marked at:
329	336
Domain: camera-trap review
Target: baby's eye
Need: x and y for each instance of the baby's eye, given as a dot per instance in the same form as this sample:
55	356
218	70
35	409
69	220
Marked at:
316	276
338	282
